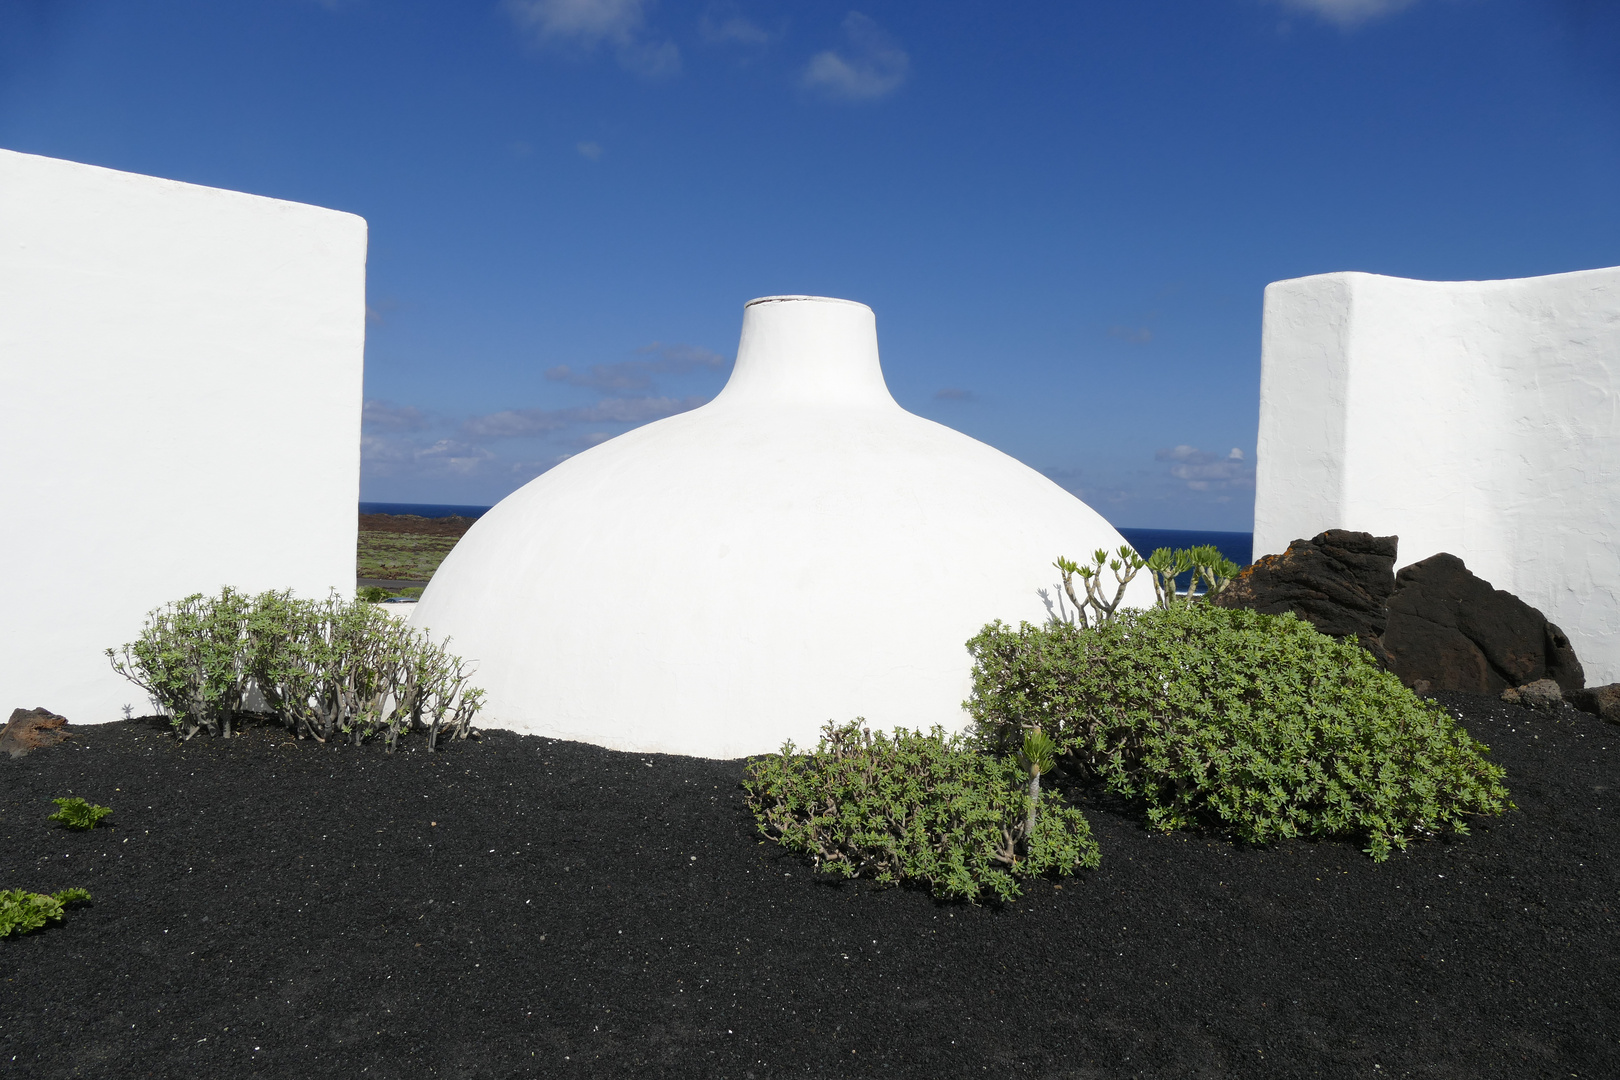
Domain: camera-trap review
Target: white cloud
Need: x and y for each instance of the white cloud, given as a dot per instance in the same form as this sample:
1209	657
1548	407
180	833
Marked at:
590	151
587	24
871	66
1349	13
376	415
380	456
676	359
1201	470
587	21
724	24
529	423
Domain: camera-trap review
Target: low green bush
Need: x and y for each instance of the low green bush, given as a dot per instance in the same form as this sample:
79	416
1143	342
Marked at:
914	806
22	911
1254	724
328	669
75	813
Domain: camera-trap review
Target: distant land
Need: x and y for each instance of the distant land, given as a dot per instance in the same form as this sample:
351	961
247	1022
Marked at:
402	544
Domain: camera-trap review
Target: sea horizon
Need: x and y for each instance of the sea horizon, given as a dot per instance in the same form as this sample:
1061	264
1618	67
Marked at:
1237	546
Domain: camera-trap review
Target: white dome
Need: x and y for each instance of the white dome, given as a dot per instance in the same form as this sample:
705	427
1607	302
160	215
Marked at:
799	550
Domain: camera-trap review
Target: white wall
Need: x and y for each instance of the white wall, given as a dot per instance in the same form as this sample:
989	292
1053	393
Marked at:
180	369
1476	417
799	550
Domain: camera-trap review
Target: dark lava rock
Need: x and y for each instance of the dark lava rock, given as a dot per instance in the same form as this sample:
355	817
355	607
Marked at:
1601	701
1452	629
1435	624
1339	580
31	729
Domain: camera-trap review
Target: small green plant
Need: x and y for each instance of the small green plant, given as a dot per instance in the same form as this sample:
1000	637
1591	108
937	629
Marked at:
373	594
1256	725
1038	755
915	806
1207	564
22	911
75	813
1124	565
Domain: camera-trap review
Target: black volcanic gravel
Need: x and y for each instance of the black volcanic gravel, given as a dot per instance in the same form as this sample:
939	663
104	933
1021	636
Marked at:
525	907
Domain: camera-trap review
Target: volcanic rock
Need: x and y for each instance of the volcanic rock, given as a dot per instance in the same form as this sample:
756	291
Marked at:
1541	694
1449	627
1601	701
1338	580
31	729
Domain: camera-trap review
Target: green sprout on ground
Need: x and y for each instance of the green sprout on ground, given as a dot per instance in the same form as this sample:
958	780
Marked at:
75	813
1039	755
22	911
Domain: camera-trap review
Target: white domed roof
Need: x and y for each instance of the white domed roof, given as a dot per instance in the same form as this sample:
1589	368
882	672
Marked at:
799	550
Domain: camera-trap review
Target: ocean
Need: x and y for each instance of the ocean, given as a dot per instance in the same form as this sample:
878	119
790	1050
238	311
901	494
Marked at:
1237	546
427	510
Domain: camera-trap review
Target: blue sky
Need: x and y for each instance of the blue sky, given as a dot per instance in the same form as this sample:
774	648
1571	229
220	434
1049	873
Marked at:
1064	214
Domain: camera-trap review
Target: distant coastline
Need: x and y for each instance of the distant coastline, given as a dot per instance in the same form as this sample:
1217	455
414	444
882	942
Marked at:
1237	546
426	510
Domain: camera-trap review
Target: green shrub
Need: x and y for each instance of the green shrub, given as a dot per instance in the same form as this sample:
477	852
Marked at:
327	668
22	911
190	660
75	813
372	594
914	807
1227	718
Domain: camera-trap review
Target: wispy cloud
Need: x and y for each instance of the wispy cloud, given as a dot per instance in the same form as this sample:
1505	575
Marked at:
1139	335
588	24
1348	13
954	393
725	24
383	456
870	66
378	415
492	452
590	151
528	423
627	375
1201	470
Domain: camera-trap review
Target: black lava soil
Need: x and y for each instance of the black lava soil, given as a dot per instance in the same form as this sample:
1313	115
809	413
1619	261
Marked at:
519	906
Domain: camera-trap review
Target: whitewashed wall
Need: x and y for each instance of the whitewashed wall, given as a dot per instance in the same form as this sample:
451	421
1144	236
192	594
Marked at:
180	369
1476	417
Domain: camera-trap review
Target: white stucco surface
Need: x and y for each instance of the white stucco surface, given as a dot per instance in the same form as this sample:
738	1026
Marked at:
1480	418
181	373
799	550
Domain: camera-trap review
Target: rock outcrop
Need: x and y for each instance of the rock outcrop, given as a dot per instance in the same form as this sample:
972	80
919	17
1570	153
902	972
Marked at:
1600	701
1435	624
1541	694
1339	581
1453	629
31	729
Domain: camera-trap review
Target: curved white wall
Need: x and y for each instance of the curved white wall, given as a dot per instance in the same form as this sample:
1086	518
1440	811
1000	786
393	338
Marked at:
1476	417
181	373
799	550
